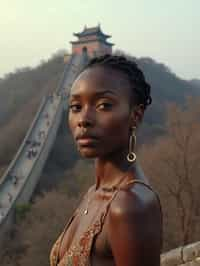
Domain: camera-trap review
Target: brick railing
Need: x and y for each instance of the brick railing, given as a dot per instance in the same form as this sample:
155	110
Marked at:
184	256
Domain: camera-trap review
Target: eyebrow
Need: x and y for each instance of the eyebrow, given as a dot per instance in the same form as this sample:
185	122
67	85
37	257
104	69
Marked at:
100	93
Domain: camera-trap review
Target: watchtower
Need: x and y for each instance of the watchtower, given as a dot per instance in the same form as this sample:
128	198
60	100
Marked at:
93	41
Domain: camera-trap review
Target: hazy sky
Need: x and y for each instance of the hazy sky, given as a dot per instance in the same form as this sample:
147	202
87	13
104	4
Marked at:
168	31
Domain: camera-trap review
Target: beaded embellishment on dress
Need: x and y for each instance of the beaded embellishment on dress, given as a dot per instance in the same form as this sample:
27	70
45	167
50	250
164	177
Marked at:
78	255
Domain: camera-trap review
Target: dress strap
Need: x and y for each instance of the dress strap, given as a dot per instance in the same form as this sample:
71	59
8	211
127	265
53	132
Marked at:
129	183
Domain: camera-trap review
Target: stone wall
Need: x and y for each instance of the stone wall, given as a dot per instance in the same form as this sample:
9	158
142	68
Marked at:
27	170
183	256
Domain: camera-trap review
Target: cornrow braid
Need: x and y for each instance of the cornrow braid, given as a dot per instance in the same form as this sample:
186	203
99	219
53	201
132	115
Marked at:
140	87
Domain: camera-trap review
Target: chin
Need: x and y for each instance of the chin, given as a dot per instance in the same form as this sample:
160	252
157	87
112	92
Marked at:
88	153
91	153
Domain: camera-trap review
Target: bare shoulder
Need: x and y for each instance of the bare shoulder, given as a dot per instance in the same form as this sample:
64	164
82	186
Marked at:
139	199
135	226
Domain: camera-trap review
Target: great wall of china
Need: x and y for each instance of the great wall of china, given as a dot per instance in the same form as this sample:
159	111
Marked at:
21	177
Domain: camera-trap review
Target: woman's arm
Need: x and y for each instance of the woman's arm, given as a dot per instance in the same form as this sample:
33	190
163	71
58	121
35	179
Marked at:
135	228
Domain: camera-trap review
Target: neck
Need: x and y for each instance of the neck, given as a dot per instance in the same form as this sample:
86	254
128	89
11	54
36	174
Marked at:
110	171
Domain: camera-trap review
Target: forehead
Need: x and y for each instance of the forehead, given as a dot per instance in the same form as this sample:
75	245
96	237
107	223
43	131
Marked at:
99	78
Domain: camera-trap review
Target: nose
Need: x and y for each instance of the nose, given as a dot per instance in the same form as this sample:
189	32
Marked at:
84	123
86	119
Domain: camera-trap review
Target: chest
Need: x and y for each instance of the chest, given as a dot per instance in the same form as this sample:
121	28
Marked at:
82	229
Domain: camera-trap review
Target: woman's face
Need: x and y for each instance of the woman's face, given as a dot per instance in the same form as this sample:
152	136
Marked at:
100	112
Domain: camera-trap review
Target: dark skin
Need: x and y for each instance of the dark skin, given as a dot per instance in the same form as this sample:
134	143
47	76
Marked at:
100	107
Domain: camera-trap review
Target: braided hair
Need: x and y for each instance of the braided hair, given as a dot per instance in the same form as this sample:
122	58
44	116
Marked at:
140	87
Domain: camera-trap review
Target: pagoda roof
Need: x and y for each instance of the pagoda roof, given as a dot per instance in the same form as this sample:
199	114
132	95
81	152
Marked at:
91	31
87	41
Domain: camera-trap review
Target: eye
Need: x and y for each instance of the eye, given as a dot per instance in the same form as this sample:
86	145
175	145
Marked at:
75	107
105	106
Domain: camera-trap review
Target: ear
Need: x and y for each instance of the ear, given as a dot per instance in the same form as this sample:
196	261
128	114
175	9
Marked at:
137	114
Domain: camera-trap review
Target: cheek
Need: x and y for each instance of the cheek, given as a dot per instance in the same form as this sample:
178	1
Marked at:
71	123
116	127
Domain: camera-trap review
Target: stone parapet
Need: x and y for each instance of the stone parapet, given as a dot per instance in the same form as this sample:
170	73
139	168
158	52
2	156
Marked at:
188	255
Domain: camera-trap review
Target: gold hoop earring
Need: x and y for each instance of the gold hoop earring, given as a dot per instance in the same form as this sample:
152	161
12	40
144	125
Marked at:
131	156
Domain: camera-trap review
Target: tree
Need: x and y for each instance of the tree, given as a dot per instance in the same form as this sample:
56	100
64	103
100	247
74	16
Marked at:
172	162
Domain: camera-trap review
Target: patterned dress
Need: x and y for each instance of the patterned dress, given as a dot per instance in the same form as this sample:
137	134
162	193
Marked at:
80	253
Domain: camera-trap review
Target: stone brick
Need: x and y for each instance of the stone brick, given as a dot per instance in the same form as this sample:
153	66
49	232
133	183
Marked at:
190	252
172	258
191	263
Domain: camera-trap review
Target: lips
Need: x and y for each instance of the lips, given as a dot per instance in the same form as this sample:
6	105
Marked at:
86	139
85	136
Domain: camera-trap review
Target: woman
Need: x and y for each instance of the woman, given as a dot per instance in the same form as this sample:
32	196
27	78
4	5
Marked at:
119	221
